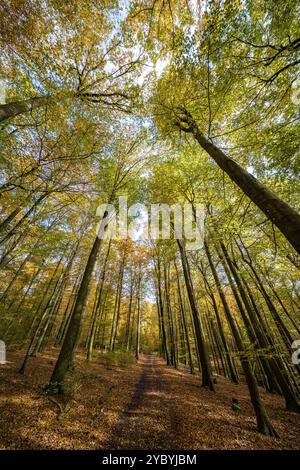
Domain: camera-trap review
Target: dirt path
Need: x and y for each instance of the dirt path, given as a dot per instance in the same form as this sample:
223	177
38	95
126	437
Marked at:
148	421
151	406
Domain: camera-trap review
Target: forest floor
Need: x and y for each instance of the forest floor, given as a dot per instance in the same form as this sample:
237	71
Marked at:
143	406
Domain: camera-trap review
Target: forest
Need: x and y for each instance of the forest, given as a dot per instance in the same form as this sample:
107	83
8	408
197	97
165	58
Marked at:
149	224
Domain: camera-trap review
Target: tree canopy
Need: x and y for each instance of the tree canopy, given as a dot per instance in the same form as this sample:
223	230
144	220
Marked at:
189	103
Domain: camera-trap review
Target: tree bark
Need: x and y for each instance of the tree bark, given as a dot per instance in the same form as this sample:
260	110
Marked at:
10	110
264	425
97	307
286	219
207	380
138	326
161	311
65	357
278	372
184	322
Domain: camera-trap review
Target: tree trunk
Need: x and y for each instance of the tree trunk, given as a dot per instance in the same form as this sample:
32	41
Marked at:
278	372
97	307
9	218
116	316
128	319
170	317
65	357
184	322
138	326
12	231
10	110
161	312
277	211
231	368
263	423
207	380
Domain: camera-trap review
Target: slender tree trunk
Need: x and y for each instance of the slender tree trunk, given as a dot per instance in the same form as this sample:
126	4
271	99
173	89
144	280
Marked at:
160	346
130	346
19	270
138	326
5	259
211	346
116	316
22	220
263	423
9	218
161	312
278	372
40	321
66	314
207	380
184	322
285	334
97	306
102	325
170	317
47	315
231	368
127	328
19	306
251	333
220	350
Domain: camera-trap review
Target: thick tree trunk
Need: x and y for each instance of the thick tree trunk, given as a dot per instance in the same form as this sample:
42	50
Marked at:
277	211
10	110
65	357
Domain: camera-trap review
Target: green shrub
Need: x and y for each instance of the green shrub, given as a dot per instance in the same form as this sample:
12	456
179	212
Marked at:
117	359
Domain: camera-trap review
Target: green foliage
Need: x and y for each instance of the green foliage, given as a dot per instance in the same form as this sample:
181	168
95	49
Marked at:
55	388
120	358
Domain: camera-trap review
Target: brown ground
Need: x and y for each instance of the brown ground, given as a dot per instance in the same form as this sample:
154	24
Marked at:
150	406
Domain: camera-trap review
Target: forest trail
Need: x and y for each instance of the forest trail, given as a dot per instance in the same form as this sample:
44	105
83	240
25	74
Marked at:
149	420
150	406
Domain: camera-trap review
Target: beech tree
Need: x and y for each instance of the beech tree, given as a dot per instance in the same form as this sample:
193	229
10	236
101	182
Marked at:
175	103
